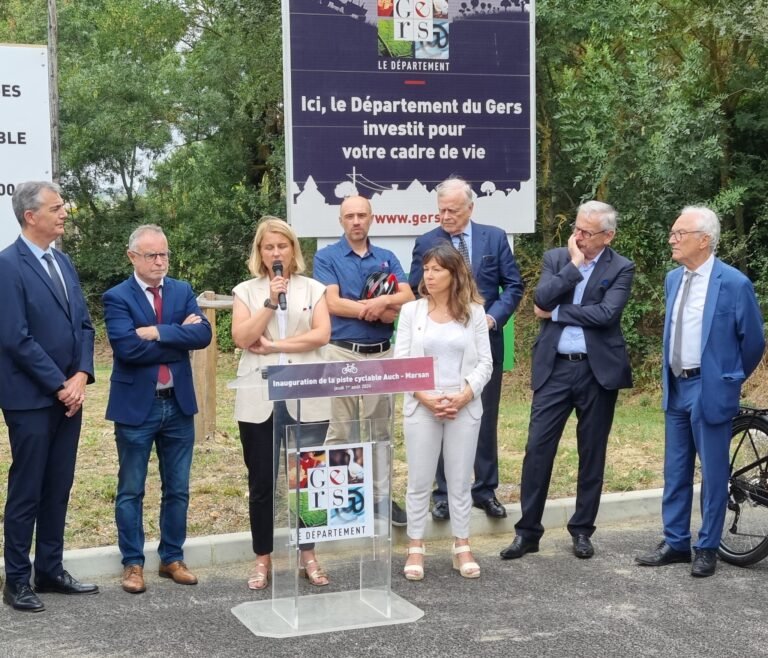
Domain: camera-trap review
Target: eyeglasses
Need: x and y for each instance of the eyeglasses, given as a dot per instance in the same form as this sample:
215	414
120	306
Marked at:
587	234
150	257
679	235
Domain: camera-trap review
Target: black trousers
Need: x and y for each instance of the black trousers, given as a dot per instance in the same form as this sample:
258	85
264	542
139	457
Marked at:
261	453
570	386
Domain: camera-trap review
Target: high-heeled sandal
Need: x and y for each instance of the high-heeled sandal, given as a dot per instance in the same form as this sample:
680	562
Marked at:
259	577
414	571
314	574
467	569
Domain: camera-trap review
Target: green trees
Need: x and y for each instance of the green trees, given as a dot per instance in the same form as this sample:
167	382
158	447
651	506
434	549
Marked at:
651	106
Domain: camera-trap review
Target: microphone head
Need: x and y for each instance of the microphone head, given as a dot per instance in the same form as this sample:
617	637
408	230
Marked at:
277	268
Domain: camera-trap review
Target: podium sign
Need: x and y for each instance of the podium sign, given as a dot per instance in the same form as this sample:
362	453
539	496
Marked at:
344	378
331	488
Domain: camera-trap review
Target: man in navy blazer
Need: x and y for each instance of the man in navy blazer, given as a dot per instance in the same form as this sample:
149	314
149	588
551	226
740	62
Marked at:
713	340
498	280
152	322
46	360
580	362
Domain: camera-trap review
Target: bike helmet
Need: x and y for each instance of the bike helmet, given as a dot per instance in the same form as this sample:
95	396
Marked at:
377	284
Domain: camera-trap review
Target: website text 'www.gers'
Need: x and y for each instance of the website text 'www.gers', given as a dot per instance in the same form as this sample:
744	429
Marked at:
414	219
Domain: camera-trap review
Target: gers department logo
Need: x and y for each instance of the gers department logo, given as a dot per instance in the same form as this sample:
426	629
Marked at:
413	29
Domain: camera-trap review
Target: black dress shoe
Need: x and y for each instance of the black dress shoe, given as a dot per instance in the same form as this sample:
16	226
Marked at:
493	508
518	548
440	511
663	554
704	562
64	584
582	547
21	597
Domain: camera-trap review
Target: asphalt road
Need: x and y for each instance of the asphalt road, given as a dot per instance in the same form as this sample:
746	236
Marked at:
545	604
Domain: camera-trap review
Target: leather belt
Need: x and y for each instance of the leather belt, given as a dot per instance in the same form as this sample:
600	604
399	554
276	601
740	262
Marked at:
362	348
690	372
164	393
578	356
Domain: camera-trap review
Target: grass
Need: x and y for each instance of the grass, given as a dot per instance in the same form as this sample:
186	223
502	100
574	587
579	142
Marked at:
219	493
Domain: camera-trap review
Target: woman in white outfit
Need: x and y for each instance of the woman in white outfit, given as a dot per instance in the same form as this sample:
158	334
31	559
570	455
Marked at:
269	335
449	323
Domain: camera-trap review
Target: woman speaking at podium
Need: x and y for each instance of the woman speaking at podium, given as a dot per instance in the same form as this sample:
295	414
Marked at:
278	317
447	322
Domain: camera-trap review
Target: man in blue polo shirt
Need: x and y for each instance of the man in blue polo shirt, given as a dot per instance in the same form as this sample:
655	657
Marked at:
360	329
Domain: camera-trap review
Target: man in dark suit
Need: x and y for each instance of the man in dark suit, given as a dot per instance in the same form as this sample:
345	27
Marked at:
713	340
487	252
152	322
579	362
46	360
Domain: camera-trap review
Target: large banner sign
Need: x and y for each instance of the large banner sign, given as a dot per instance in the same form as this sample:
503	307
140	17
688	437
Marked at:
25	127
386	98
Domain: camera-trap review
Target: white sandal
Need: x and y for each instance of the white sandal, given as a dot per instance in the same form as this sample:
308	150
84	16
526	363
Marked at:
467	569
414	571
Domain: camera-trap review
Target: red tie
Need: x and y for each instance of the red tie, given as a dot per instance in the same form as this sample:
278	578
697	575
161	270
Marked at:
163	374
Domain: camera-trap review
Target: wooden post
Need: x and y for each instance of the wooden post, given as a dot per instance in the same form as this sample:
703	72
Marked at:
204	364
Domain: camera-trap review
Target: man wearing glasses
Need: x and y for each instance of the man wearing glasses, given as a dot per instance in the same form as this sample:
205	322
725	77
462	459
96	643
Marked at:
713	340
580	362
152	322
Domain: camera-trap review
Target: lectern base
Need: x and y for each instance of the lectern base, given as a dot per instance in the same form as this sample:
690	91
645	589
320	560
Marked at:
326	613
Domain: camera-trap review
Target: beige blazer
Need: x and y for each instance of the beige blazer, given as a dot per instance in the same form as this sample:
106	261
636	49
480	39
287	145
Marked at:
476	363
251	404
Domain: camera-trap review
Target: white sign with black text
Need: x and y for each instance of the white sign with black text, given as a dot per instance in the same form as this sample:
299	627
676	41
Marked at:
25	127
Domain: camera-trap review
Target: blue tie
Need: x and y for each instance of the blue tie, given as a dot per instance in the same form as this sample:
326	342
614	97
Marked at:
58	285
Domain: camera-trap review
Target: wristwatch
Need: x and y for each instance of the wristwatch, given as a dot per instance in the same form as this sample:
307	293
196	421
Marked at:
268	304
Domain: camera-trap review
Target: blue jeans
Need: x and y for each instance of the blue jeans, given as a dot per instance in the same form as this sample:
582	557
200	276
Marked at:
173	434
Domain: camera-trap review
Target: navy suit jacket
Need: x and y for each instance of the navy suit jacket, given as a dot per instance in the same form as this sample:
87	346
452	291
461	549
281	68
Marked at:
42	343
494	269
732	341
598	315
136	361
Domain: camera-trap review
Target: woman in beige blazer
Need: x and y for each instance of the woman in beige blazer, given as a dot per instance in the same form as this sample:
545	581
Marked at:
448	323
269	335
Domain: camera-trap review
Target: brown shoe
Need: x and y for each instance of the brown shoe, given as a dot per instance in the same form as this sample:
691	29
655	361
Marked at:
178	572
133	579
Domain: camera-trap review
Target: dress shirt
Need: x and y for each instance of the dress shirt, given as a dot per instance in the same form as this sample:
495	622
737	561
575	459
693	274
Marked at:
692	314
39	253
151	299
572	339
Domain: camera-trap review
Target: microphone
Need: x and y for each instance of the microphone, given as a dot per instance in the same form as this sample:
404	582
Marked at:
277	270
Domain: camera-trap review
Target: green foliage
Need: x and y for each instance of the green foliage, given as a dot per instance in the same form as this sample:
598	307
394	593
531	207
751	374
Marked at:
171	112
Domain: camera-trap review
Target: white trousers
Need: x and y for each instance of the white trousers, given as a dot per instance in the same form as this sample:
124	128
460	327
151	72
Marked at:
425	437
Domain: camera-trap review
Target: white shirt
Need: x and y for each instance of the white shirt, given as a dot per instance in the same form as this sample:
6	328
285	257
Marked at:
690	347
151	299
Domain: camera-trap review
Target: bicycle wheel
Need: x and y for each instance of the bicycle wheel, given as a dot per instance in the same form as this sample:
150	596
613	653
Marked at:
744	539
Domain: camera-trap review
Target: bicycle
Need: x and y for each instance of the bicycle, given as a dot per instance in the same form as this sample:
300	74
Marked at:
744	539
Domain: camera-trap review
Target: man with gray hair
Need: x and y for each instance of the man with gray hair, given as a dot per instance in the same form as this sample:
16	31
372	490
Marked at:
580	362
713	340
153	321
46	360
